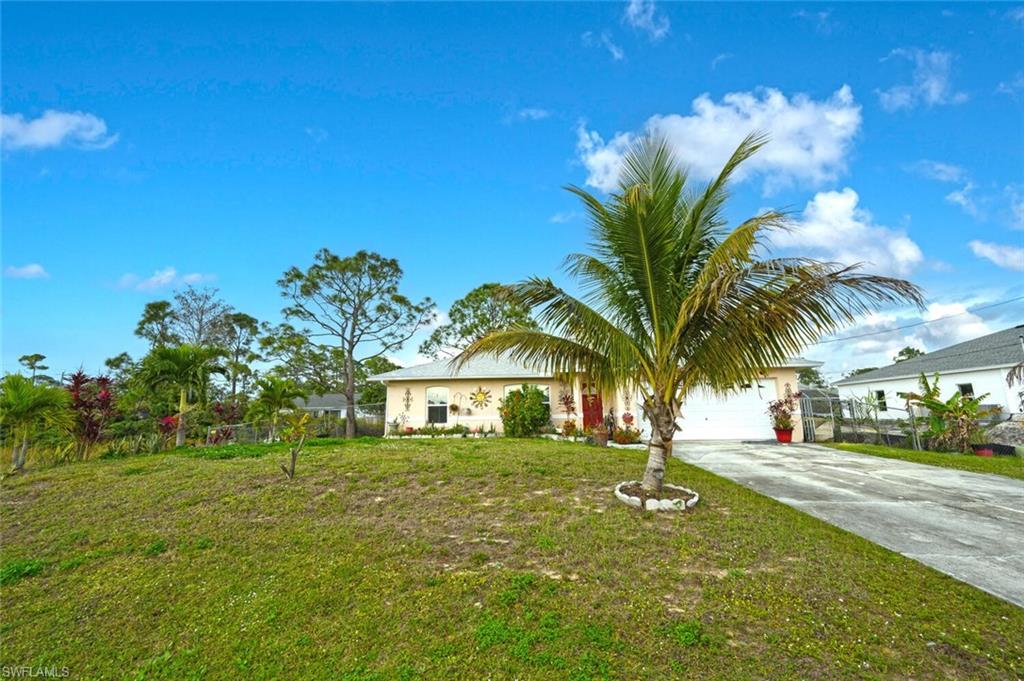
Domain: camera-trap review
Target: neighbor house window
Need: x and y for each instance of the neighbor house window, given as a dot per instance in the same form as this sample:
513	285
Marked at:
965	389
880	399
518	386
437	405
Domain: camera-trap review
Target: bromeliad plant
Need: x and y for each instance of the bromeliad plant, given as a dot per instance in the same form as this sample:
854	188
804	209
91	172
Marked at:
675	301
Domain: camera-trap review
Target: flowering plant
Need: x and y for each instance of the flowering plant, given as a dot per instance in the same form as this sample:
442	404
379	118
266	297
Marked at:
781	410
168	424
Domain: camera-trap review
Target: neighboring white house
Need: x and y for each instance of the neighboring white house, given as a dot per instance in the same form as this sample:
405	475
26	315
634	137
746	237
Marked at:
975	367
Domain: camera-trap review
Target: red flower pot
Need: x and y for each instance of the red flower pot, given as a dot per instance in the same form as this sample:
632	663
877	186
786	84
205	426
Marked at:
784	435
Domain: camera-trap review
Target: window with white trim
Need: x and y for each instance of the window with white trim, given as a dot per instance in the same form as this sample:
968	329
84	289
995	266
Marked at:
880	400
437	405
965	389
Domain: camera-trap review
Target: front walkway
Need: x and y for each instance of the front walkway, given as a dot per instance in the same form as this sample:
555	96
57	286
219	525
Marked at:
967	525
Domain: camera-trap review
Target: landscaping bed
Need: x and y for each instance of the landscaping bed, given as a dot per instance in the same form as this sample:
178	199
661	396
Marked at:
503	558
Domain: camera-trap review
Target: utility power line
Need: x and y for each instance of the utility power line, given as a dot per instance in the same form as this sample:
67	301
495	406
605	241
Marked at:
921	323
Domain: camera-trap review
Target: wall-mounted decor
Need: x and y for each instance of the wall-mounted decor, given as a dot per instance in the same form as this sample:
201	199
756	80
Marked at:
480	397
407	399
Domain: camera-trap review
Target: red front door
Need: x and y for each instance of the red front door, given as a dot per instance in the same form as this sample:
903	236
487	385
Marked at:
593	413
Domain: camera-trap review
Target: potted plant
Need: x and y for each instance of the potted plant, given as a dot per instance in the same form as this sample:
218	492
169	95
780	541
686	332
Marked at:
569	428
781	413
600	435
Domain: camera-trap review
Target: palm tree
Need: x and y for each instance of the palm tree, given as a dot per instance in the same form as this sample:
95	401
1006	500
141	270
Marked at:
277	394
674	301
186	368
25	407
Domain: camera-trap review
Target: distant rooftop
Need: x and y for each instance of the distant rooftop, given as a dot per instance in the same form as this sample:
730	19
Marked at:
999	349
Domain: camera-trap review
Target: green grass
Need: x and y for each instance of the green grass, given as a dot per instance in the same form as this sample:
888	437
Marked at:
1010	466
460	559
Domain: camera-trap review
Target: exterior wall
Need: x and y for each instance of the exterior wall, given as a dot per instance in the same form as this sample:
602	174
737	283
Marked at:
458	393
620	402
787	378
991	381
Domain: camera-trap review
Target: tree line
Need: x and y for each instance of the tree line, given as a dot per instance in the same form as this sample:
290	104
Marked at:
210	364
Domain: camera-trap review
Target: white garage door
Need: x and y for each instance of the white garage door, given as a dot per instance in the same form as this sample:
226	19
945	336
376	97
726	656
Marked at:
740	416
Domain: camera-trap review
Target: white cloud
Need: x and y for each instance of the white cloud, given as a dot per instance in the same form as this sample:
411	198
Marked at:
644	16
532	114
32	270
948	323
162	278
603	40
1012	87
316	134
834	227
55	129
822	20
563	217
809	139
1016	200
930	81
1016	15
1009	257
937	170
719	58
962	197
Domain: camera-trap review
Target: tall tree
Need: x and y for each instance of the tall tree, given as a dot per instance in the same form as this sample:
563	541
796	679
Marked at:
121	367
353	304
157	324
199	316
810	376
676	302
907	353
33	363
25	408
187	368
487	308
318	368
238	332
373	392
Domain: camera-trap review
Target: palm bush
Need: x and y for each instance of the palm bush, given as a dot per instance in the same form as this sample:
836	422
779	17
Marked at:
187	368
674	301
25	409
276	395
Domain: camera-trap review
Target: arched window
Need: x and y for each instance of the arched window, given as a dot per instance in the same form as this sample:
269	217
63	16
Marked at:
437	405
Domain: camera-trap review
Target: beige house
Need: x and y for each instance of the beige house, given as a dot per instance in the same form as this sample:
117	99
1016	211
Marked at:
436	393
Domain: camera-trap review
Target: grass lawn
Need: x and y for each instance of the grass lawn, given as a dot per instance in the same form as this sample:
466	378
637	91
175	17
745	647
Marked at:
1010	466
460	559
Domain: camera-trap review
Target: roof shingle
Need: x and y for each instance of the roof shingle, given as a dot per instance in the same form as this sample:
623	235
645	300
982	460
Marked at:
999	349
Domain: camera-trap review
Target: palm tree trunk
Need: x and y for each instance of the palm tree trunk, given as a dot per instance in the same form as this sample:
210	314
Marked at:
179	440
663	428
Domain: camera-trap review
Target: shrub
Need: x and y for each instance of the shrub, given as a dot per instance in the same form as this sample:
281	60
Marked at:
626	436
523	412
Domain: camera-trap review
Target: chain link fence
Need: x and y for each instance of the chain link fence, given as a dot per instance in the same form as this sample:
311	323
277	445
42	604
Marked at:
832	419
369	422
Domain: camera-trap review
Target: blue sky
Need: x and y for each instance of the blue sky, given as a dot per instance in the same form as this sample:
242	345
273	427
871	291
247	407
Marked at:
149	145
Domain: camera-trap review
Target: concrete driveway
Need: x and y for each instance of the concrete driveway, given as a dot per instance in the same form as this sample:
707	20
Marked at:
968	525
